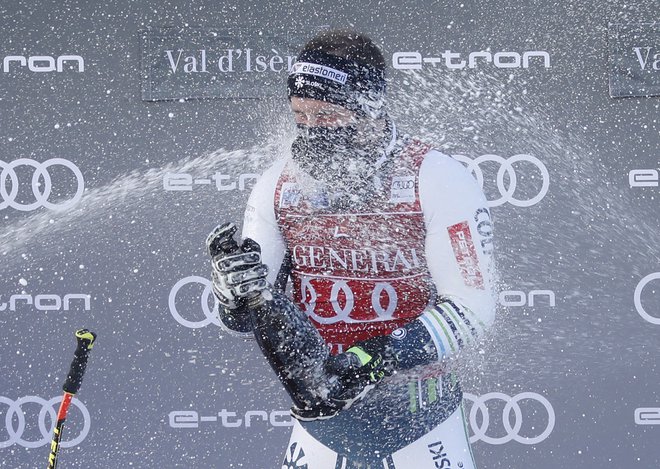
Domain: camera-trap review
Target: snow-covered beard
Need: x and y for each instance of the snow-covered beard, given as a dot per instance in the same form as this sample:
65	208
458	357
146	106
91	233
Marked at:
339	157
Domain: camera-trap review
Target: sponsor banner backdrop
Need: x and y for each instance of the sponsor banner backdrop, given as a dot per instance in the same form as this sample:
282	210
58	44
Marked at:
634	51
185	63
114	168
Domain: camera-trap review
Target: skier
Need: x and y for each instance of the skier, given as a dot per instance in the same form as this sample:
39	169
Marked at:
388	244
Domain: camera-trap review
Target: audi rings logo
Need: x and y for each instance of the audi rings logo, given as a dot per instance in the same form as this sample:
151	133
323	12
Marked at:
638	298
15	422
511	404
41	193
207	294
506	167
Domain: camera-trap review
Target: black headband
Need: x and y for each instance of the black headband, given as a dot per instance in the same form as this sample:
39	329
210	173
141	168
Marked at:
326	77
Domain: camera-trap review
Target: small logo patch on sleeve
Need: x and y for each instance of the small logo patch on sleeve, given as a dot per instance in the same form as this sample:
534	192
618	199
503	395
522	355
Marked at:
290	195
466	254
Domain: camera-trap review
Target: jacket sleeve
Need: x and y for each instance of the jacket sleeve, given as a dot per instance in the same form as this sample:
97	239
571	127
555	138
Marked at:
459	253
259	222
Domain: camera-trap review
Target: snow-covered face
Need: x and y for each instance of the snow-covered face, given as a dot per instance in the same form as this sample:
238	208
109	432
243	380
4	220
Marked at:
336	146
312	113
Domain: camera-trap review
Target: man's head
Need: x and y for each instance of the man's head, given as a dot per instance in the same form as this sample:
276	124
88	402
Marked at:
337	94
342	68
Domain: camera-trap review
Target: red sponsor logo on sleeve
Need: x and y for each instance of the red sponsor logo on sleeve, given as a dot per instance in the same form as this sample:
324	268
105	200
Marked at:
466	254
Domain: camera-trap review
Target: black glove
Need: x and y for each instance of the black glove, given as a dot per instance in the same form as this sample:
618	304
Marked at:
237	274
365	363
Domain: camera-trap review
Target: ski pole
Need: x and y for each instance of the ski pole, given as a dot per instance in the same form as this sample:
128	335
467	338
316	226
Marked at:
71	386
